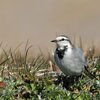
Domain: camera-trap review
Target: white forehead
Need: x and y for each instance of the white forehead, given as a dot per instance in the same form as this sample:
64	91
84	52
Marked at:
60	37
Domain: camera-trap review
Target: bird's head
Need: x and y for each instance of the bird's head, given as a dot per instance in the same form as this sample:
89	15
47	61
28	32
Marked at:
63	41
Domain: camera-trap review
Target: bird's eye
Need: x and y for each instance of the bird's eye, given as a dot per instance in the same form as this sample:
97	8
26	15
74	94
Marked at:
63	39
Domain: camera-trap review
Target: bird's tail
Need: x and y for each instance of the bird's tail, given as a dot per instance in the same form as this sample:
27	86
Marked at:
89	74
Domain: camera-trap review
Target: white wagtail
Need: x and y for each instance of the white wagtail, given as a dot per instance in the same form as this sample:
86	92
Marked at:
70	59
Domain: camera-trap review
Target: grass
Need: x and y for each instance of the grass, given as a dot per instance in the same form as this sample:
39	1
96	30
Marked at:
21	78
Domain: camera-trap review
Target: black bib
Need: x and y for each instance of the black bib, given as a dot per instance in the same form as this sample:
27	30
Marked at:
61	52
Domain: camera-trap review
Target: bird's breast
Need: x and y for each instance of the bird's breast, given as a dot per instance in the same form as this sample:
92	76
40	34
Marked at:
67	63
61	52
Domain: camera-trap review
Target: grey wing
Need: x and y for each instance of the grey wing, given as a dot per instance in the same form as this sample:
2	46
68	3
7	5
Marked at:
78	53
82	59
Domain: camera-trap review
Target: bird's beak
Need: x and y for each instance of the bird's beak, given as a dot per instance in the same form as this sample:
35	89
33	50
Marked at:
54	41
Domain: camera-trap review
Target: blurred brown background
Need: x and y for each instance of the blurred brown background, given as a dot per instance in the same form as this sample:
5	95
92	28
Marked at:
40	21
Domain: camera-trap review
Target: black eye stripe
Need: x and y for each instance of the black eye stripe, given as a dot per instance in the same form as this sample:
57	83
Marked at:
63	39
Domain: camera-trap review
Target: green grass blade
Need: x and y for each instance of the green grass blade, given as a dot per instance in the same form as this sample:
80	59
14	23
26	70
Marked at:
4	61
26	58
80	42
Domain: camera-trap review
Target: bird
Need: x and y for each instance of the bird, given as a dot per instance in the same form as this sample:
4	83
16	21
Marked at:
70	59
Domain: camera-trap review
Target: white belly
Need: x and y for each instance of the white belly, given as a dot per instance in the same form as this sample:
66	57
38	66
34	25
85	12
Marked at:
68	65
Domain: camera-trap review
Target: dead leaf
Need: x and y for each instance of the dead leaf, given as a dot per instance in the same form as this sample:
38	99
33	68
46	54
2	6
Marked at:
2	84
76	91
95	92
